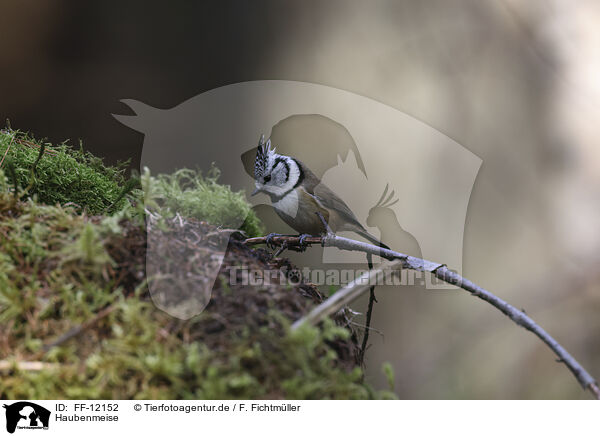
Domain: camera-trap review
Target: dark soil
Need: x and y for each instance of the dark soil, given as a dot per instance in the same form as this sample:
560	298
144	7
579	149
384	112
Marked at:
188	251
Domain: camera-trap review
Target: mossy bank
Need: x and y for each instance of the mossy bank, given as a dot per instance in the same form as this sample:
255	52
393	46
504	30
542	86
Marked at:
77	315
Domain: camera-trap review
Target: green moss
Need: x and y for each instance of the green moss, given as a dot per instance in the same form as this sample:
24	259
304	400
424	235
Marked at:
67	176
59	268
193	195
136	362
63	174
56	273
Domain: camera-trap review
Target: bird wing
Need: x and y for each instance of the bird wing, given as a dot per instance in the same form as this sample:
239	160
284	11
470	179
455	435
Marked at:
326	197
331	201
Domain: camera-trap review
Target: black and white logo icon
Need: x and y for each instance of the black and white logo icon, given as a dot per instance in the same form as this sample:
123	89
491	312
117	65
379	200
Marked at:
26	415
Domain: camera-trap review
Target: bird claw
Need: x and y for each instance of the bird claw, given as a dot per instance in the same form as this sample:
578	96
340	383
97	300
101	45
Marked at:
269	240
302	244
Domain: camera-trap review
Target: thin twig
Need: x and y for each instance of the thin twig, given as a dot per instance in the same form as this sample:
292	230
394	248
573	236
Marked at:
280	250
7	365
7	150
372	301
325	224
345	295
373	329
442	272
79	329
278	240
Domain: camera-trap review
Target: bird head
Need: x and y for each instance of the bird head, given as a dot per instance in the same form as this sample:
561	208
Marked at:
274	174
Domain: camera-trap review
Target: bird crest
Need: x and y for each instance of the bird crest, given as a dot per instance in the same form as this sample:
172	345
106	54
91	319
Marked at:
263	154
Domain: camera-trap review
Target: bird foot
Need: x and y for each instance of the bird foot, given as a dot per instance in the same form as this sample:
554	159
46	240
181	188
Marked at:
269	239
302	244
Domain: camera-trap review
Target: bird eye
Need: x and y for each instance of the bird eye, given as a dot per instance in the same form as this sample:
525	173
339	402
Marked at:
267	178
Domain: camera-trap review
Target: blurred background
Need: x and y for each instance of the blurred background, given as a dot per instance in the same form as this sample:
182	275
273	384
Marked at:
517	83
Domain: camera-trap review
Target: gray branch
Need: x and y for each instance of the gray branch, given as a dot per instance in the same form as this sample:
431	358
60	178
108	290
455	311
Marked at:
346	295
443	273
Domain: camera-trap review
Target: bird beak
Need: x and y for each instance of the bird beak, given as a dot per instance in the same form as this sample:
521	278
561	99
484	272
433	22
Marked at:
256	191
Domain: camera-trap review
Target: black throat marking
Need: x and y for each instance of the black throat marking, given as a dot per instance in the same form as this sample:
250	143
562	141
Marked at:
300	173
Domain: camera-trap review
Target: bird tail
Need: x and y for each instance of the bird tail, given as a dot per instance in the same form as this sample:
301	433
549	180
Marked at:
372	239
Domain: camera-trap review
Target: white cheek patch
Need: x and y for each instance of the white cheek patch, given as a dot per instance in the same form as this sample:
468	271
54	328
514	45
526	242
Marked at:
288	204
